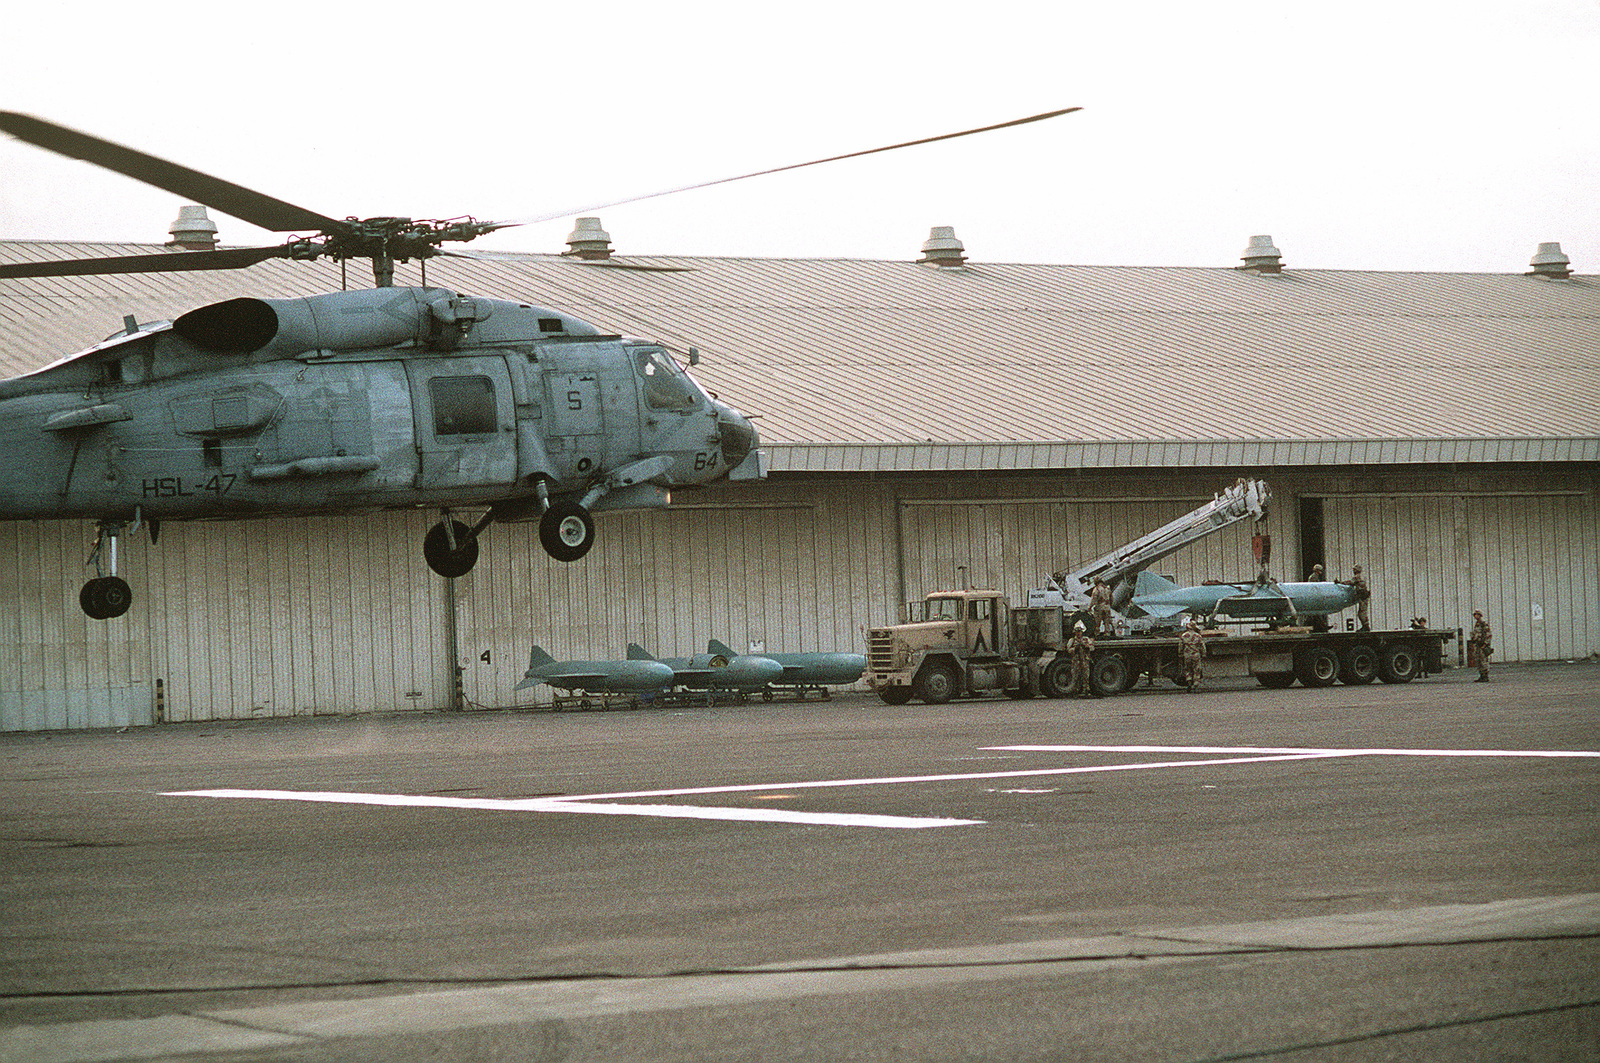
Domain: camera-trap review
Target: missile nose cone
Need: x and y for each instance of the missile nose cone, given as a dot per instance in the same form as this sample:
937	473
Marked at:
753	671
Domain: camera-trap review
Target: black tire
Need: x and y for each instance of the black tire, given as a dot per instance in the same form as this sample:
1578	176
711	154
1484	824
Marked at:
1398	663
1316	666
445	561
566	531
1275	680
105	598
1057	677
936	683
89	601
894	695
1358	665
1108	674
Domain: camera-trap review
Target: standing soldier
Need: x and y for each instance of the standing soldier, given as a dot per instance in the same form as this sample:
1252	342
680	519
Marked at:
1193	646
1080	649
1100	607
1316	575
1482	640
1363	596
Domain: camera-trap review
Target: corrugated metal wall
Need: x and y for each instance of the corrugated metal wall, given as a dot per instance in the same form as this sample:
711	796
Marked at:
281	618
1526	559
257	618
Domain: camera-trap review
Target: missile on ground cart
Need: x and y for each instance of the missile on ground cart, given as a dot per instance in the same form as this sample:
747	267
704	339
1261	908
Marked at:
596	677
714	671
809	669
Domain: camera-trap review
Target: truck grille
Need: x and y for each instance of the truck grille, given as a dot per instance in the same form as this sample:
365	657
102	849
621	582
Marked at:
880	651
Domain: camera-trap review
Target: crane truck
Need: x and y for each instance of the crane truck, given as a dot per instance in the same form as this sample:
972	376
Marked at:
970	642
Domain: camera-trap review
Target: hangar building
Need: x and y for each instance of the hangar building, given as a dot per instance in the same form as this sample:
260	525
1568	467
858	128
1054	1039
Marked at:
927	420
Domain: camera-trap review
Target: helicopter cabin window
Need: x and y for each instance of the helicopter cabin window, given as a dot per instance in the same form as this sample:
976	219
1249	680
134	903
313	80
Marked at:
463	405
665	385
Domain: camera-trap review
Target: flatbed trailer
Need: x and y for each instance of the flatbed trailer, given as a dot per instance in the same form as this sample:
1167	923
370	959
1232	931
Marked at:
1275	657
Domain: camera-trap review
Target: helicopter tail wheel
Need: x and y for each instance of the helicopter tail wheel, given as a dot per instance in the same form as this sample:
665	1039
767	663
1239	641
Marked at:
437	550
105	598
566	530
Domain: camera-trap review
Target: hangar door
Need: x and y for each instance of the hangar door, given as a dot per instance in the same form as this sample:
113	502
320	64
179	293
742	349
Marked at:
1531	562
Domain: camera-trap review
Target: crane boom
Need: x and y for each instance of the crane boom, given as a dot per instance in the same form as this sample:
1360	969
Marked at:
1119	568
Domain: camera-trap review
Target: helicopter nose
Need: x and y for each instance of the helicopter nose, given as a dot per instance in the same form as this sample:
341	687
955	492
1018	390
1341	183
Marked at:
739	443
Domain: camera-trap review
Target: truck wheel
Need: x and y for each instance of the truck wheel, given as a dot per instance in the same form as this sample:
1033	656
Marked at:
1398	663
1275	680
936	683
1057	678
1108	674
1358	665
1316	666
1090	627
895	695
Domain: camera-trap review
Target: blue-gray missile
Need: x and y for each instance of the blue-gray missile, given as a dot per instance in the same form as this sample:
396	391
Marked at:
810	669
596	677
715	671
1163	599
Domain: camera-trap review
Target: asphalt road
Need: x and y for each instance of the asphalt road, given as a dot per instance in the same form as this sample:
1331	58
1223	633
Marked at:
1381	872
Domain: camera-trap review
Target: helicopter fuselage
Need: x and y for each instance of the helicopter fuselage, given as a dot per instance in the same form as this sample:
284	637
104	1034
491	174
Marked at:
363	400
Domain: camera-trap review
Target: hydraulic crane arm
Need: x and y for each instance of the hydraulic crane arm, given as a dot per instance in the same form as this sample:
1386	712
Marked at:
1246	498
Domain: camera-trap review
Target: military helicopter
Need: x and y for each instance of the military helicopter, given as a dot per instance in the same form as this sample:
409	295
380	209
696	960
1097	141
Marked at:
351	401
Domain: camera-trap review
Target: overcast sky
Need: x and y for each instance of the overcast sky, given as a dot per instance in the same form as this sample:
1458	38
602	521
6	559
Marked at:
1388	135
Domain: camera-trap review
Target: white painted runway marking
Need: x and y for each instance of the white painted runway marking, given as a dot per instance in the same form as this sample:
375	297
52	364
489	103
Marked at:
1295	751
607	804
584	804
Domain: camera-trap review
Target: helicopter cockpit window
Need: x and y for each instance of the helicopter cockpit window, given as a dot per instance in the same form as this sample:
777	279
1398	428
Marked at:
463	405
665	385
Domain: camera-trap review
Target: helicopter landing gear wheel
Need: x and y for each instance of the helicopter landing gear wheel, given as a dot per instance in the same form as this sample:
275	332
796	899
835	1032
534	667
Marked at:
105	598
566	530
448	562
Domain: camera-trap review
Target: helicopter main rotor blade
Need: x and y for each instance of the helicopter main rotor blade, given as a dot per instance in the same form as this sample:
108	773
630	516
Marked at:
236	201
791	166
164	262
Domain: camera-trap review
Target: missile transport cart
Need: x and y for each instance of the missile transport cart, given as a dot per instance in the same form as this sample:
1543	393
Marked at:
971	642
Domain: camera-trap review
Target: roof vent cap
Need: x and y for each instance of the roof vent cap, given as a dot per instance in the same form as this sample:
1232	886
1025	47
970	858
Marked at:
943	248
1548	261
1261	256
193	230
588	241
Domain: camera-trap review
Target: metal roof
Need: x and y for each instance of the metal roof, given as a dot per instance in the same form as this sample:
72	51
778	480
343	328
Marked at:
889	366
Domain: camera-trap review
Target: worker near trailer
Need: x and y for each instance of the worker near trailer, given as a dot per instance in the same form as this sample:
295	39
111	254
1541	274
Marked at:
1482	640
1080	650
1192	645
1420	623
1100	607
1363	595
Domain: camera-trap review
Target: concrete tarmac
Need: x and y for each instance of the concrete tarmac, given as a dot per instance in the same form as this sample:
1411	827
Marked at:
1375	872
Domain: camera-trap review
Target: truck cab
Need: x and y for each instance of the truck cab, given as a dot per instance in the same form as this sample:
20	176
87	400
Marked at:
951	643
